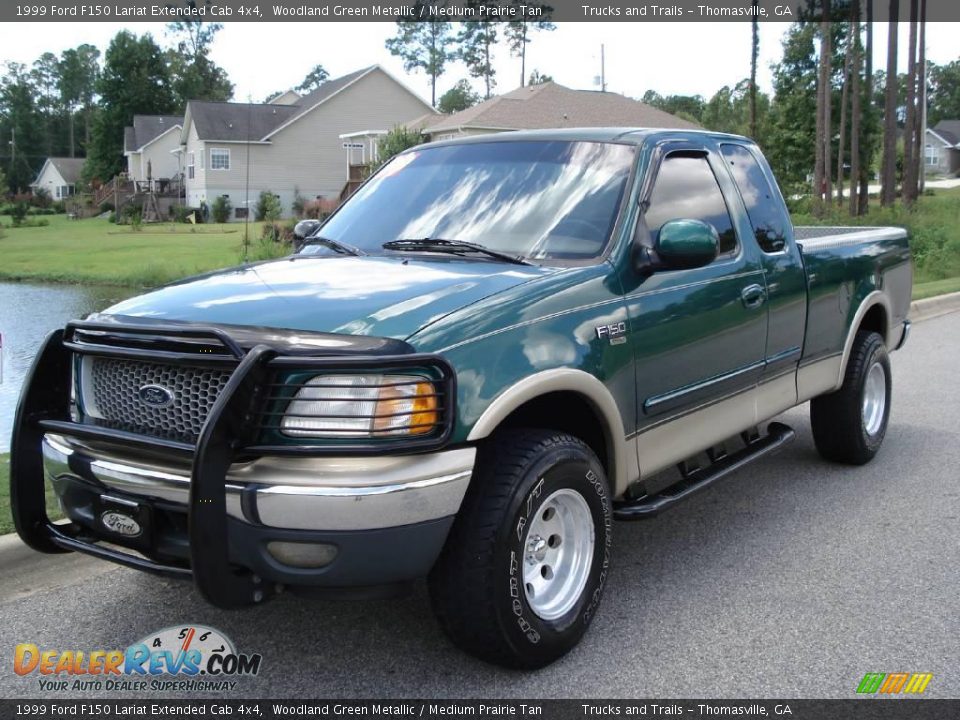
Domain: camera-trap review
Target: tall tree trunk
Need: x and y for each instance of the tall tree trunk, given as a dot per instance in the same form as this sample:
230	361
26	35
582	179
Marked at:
919	155
523	56
888	193
486	59
70	121
844	100
754	53
821	171
909	185
863	205
856	132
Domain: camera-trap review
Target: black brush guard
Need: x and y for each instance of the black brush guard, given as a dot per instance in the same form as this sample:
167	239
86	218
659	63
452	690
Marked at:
230	429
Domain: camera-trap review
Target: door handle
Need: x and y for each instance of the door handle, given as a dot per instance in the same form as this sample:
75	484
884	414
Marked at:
752	296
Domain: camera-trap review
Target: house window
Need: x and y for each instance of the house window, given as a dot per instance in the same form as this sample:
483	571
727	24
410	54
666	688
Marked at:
240	213
219	159
191	160
932	155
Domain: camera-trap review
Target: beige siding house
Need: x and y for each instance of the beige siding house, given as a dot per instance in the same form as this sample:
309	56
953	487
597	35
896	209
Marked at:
59	177
292	145
548	105
152	146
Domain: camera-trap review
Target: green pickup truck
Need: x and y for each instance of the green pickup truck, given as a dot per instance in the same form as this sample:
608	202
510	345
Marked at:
494	349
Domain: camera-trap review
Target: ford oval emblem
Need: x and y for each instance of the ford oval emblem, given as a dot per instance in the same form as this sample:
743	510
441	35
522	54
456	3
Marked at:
155	395
120	523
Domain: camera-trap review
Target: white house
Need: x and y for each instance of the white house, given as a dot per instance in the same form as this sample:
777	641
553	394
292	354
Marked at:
291	145
547	105
942	155
59	177
152	146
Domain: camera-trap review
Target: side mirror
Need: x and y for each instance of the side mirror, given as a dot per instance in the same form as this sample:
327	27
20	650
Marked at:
305	228
685	244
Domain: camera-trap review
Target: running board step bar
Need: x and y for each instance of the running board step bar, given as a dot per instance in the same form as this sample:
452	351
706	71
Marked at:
650	506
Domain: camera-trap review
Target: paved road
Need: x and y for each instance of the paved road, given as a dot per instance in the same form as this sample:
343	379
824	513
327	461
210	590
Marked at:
792	579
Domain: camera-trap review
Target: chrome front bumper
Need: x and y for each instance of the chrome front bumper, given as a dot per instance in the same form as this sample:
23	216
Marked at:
315	493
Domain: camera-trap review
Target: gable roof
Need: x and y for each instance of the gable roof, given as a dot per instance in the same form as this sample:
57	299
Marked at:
147	128
550	105
69	169
949	130
249	122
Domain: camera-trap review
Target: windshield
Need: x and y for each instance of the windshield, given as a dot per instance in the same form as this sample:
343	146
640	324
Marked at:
537	200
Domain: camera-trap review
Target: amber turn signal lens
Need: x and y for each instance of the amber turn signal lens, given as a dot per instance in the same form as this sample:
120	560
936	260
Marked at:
407	409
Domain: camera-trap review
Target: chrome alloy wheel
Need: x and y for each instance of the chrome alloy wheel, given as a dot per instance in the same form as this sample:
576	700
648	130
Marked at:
557	554
874	399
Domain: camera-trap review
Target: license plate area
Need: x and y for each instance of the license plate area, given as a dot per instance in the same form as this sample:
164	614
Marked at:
125	521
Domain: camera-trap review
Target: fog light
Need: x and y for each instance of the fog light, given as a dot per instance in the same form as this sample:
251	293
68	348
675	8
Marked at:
302	555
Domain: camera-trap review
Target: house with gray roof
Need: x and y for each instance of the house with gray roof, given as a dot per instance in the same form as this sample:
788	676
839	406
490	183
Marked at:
548	105
942	156
152	147
59	177
291	145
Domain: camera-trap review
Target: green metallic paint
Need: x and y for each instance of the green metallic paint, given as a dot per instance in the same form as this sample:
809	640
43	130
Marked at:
687	243
690	336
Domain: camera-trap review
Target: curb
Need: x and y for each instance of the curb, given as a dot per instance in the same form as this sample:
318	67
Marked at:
934	307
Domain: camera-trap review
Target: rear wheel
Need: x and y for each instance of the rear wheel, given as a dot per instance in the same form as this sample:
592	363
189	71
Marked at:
849	425
524	566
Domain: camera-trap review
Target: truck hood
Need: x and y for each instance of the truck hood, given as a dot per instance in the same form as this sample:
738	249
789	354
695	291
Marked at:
381	296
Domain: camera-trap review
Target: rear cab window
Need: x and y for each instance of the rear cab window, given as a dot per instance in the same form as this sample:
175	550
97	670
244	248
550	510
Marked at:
762	204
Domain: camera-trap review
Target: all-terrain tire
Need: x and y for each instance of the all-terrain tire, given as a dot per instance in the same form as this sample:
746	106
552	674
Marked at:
849	425
486	587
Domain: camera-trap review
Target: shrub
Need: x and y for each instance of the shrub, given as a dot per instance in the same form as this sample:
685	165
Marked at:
41	198
299	203
59	207
222	207
396	141
112	217
267	249
19	213
268	207
319	209
107	206
278	232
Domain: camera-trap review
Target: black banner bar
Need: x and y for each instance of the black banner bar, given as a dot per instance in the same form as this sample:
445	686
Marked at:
454	10
854	709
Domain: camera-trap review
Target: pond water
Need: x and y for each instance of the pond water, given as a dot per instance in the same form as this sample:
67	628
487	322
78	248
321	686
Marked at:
28	312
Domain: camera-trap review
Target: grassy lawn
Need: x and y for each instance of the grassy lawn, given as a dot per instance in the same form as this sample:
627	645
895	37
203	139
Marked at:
934	226
96	251
6	519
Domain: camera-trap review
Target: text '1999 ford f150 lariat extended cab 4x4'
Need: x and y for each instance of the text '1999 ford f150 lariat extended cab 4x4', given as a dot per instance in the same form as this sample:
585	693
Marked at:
494	349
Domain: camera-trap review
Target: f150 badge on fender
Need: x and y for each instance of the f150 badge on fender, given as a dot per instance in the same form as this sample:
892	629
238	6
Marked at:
615	332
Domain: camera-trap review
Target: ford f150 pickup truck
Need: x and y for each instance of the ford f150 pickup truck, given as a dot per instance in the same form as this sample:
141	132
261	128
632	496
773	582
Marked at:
494	349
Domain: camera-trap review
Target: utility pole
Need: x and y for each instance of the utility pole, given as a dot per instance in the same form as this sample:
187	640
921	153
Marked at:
603	71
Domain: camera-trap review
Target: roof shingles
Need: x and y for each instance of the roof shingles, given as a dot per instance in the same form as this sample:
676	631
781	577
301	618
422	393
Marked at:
146	128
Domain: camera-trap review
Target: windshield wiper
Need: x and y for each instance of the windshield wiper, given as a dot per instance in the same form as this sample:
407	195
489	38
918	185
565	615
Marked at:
454	247
336	245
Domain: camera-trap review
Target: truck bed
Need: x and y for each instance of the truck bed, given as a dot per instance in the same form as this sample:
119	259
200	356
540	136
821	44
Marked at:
845	265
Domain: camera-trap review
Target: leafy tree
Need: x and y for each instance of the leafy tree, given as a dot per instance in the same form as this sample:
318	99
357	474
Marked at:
79	72
459	97
943	99
396	141
135	80
689	107
45	75
518	31
539	78
314	79
423	45
195	76
20	126
476	41
274	95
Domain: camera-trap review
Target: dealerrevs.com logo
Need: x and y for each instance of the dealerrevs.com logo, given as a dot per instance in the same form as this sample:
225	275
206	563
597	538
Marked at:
186	658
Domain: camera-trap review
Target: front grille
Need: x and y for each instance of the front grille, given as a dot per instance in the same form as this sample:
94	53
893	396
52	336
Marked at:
112	392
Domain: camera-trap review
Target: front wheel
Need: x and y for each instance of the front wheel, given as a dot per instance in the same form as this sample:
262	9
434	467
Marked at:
524	567
849	425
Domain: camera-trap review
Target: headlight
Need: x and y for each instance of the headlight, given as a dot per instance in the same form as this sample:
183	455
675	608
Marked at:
345	406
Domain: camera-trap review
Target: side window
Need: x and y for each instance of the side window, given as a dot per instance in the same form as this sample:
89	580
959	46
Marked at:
763	208
686	188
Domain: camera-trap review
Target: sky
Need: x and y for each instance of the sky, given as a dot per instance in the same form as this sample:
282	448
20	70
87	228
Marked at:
671	58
